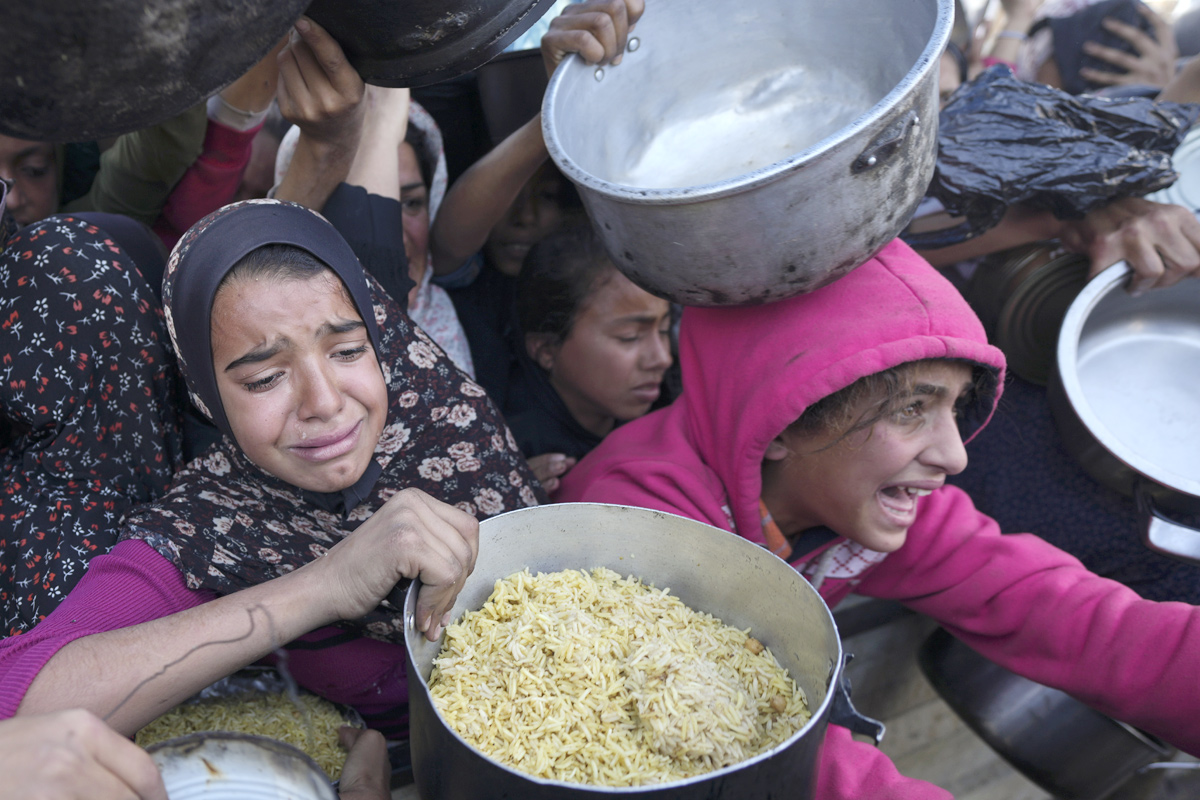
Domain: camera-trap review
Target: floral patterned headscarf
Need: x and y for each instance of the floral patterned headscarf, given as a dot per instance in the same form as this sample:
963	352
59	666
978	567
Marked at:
226	523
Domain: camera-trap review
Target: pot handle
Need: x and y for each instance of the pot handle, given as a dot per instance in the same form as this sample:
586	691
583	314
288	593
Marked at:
1162	534
886	144
843	712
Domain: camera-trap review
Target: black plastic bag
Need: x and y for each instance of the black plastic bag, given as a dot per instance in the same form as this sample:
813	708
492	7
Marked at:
1003	141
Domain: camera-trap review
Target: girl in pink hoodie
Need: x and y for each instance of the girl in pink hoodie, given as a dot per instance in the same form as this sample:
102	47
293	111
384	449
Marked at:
823	427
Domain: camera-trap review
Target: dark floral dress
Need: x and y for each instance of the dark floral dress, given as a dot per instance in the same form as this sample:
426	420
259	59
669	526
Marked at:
89	408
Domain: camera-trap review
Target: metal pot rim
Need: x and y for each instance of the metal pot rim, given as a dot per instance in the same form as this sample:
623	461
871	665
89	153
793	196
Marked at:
1098	288
572	64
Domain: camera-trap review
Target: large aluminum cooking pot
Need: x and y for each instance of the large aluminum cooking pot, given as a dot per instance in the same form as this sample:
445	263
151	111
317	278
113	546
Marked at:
72	70
1126	397
709	569
747	152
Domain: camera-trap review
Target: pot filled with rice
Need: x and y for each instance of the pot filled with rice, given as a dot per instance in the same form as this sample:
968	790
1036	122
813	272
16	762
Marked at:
602	649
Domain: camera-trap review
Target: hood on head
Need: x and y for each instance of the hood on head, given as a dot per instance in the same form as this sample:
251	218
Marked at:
751	371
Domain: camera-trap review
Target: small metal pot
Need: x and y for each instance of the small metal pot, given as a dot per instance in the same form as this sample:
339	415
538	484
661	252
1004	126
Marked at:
1126	395
1069	749
742	154
707	568
236	766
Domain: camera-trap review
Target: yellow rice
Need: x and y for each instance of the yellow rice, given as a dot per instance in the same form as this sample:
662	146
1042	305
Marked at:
263	714
598	679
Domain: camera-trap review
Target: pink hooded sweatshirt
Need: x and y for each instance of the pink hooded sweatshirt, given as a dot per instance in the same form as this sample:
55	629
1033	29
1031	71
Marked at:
749	372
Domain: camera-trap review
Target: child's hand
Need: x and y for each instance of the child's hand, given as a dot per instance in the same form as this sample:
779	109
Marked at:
1161	242
549	467
319	90
1154	61
596	29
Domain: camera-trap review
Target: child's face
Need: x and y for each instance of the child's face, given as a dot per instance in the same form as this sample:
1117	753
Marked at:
867	486
298	379
611	364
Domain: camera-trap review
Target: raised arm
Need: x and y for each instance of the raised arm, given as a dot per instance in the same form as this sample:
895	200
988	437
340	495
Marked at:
322	94
597	30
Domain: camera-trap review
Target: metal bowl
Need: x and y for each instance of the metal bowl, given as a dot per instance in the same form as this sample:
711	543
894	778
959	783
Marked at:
1021	296
749	152
707	568
238	766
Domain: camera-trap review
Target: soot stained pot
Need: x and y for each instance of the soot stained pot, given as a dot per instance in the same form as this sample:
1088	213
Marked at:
1126	397
75	71
743	153
419	42
1064	746
707	568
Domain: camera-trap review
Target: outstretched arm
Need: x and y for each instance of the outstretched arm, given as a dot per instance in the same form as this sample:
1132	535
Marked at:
131	675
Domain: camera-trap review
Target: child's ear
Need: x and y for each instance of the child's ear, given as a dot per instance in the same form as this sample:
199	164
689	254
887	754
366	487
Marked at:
541	349
777	450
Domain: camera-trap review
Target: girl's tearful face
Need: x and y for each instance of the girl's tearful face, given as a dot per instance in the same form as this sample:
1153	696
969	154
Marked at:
298	379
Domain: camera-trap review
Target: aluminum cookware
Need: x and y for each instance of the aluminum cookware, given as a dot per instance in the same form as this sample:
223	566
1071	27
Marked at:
707	568
1069	749
742	153
236	766
1126	398
73	71
419	42
1021	296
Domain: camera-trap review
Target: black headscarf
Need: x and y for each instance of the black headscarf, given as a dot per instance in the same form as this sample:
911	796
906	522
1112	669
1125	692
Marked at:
188	299
226	523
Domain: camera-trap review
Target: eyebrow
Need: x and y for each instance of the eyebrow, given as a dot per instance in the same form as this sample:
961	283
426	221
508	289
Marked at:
929	389
263	353
32	150
409	187
641	319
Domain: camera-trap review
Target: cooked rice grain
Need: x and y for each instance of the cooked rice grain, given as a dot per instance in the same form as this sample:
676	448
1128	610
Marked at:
594	678
263	714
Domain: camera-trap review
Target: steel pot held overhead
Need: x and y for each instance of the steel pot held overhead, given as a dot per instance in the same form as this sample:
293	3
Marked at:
419	42
746	152
709	569
1126	398
75	71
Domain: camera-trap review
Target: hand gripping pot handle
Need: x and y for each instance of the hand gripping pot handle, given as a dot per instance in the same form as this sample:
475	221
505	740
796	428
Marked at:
843	712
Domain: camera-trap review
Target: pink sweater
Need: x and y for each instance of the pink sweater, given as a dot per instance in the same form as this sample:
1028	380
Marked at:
134	584
749	372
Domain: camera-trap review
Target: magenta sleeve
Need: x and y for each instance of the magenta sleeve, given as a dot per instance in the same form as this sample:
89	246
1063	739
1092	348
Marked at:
129	585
